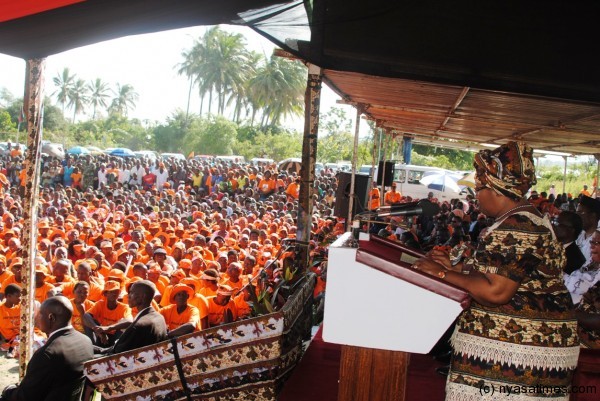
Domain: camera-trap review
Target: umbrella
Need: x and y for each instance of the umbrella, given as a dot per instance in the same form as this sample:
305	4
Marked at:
122	152
78	150
468	180
291	165
440	182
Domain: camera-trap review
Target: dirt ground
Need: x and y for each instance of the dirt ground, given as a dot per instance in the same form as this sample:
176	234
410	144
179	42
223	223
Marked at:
9	370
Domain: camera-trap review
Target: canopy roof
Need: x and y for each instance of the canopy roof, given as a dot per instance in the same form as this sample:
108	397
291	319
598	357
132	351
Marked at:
481	71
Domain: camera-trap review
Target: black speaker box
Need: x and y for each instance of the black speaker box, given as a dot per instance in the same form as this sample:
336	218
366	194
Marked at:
342	195
389	173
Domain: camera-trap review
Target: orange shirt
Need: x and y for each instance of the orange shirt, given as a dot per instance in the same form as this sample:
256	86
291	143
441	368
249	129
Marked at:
94	295
4	275
216	313
4	183
105	316
76	177
265	186
41	293
392	197
374	199
9	280
22	177
10	320
200	302
207	292
76	319
174	319
166	296
236	287
243	308
293	190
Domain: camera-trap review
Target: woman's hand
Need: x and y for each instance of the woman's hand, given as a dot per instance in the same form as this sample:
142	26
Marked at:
429	266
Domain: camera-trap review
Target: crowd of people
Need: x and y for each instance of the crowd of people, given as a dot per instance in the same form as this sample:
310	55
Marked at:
200	231
145	250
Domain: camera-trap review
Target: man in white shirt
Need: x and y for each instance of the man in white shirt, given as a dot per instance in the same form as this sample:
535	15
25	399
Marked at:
589	211
162	176
102	179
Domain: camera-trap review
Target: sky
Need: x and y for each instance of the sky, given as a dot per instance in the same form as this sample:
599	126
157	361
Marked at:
148	63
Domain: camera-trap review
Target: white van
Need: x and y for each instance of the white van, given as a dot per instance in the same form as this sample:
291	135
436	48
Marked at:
408	182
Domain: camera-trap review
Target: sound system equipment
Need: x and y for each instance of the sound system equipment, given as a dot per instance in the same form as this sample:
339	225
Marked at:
389	172
342	195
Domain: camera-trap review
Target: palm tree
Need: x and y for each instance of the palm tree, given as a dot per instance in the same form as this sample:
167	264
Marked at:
78	97
188	68
125	99
99	94
63	81
290	94
277	89
220	66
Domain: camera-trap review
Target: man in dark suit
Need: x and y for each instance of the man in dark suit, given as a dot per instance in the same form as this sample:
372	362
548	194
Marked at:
55	371
567	227
147	328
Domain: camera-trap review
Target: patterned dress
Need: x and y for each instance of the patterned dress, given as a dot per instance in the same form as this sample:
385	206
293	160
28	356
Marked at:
532	340
590	303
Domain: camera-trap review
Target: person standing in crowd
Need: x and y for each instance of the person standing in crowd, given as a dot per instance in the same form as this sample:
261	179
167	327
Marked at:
521	328
374	197
55	371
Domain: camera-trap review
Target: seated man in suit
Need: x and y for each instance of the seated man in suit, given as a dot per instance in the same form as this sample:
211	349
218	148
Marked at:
55	371
147	328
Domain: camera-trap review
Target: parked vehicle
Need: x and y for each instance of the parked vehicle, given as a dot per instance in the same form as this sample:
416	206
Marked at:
149	155
95	150
231	159
53	149
175	156
260	160
419	181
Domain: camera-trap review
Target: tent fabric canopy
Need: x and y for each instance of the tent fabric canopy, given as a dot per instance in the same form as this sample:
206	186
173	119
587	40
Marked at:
91	21
465	70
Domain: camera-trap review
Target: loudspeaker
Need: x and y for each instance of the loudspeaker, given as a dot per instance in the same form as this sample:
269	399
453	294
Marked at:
389	173
342	195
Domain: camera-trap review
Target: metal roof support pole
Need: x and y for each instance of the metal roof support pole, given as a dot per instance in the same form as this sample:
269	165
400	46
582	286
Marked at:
385	146
312	102
565	174
33	108
597	156
354	166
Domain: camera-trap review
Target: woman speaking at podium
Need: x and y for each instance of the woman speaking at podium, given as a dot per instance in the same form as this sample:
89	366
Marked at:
519	336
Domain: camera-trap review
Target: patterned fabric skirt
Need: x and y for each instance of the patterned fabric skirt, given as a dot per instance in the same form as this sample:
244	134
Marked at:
489	369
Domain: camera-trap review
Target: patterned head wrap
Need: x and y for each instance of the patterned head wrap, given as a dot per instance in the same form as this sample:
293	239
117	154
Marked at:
508	169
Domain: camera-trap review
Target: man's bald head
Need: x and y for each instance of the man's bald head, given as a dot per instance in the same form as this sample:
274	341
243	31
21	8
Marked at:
55	313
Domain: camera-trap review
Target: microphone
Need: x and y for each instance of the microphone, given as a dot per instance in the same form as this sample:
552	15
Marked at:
423	207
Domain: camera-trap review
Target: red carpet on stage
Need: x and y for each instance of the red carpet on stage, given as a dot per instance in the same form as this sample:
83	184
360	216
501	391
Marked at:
316	376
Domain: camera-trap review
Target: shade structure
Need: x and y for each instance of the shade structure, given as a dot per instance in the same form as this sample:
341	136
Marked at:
122	152
78	150
440	181
468	180
291	165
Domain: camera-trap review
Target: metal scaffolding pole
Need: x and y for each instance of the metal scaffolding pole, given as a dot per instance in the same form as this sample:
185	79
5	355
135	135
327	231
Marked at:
354	167
33	106
565	175
312	102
